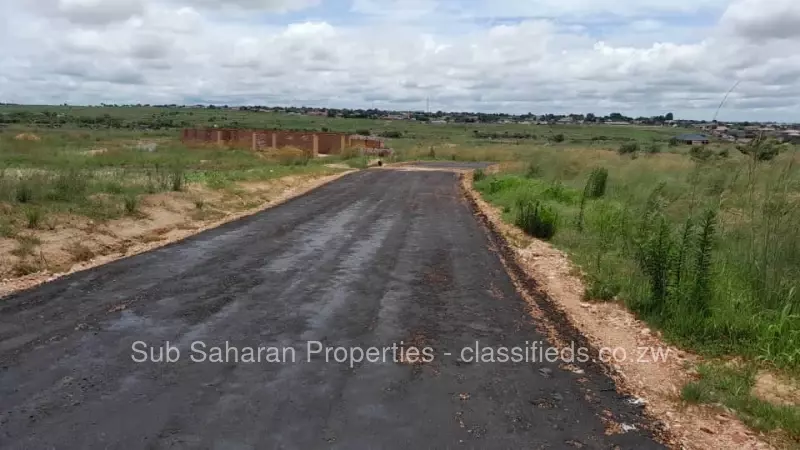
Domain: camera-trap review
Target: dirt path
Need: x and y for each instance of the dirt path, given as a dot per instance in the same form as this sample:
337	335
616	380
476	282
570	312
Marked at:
375	259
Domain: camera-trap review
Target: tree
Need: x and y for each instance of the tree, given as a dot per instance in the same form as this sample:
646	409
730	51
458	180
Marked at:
669	116
590	117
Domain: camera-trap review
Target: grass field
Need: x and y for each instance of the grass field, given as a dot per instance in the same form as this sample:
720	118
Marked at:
707	251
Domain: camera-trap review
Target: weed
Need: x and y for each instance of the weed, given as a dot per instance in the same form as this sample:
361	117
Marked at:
34	217
532	171
131	204
7	228
628	148
25	246
79	252
596	186
24	267
199	204
177	179
599	288
536	220
479	175
701	153
23	192
732	387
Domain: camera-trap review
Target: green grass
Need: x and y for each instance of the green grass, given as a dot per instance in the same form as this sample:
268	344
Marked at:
732	388
708	252
64	174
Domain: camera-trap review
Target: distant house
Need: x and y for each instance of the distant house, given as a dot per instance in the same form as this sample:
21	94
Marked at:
692	139
792	136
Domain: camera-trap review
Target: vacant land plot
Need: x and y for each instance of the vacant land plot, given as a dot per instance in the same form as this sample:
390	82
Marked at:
700	242
69	195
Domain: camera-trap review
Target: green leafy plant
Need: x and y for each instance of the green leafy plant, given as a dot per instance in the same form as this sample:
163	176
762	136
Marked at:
536	220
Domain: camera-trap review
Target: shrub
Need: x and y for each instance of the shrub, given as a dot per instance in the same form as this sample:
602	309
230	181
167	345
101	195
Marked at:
761	149
24	267
699	153
34	217
558	138
199	204
532	171
653	148
364	132
70	185
131	204
79	252
432	153
535	219
23	192
177	179
6	228
479	175
601	289
628	148
392	134
596	186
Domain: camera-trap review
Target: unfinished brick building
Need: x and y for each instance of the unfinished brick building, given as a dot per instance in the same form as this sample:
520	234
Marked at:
314	143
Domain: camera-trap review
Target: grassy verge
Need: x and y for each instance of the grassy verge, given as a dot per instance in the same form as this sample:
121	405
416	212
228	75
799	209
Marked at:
732	388
707	252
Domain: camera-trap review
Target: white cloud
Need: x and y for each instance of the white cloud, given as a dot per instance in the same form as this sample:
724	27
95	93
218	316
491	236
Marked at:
760	20
656	56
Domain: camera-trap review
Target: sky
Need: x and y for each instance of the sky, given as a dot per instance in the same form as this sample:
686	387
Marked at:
637	57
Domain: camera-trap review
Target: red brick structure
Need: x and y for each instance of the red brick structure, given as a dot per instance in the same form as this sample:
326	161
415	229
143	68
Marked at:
312	142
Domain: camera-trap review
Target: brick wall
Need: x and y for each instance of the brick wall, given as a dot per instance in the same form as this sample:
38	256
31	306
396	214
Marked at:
326	143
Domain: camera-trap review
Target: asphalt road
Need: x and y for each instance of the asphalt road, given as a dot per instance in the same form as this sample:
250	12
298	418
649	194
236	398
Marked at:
377	258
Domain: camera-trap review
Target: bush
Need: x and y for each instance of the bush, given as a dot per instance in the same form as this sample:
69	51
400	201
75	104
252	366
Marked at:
601	289
69	186
34	216
596	186
628	148
392	134
177	179
700	153
131	204
479	175
761	149
364	132
535	219
558	138
653	148
532	171
24	192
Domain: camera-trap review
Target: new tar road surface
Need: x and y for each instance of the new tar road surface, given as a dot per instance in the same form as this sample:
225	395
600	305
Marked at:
363	301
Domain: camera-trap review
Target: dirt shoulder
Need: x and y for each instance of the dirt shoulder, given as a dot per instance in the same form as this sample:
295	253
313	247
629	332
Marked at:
76	243
644	367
